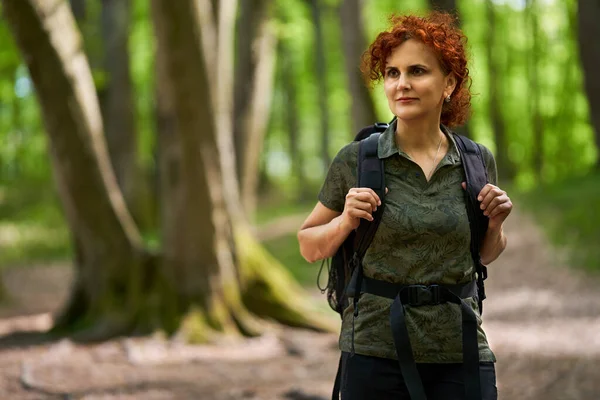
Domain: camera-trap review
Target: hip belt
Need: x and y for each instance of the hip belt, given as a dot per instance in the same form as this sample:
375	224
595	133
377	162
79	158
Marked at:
420	295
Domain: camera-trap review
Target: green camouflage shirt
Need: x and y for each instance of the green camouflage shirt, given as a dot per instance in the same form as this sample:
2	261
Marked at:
423	238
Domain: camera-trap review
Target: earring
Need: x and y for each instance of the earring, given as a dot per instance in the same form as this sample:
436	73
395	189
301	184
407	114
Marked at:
448	99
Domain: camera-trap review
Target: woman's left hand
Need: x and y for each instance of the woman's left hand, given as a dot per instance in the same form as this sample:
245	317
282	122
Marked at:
495	204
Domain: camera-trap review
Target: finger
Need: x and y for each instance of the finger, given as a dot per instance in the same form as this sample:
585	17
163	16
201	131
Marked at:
368	201
484	192
363	205
464	185
497	202
387	190
491	195
491	204
368	196
371	191
504	208
356	213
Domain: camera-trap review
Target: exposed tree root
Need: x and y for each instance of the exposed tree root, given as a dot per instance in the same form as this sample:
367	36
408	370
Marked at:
270	291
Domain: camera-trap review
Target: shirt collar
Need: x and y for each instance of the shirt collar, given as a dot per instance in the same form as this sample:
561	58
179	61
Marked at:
387	145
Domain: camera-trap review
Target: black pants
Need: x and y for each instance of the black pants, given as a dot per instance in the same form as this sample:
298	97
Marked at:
370	378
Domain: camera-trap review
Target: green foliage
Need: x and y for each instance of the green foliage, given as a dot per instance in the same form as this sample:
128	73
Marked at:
569	211
141	44
32	227
28	204
286	250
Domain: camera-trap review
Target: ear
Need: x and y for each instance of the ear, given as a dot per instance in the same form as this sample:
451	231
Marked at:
450	84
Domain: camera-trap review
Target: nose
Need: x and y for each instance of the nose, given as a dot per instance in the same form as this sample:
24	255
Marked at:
403	83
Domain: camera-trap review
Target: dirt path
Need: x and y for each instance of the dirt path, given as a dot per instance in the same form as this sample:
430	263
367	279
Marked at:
543	322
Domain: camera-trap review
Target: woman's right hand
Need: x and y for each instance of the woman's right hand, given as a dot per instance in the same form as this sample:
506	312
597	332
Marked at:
360	203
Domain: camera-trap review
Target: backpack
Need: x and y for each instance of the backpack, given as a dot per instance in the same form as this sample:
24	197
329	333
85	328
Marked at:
341	268
345	277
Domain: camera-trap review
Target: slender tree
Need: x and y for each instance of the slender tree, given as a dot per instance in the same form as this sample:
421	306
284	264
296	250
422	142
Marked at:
118	105
321	74
588	15
444	5
354	44
449	6
498	125
256	113
79	9
288	79
252	15
534	88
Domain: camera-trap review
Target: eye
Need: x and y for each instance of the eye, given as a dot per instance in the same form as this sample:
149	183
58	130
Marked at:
418	71
391	73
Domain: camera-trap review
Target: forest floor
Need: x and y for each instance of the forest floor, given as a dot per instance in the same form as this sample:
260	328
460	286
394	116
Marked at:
542	320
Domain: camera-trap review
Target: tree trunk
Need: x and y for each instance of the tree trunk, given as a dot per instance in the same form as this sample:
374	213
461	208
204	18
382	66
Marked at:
119	107
354	44
79	9
109	250
444	5
288	79
170	185
534	90
257	116
589	51
209	265
504	165
219	265
249	22
321	74
449	6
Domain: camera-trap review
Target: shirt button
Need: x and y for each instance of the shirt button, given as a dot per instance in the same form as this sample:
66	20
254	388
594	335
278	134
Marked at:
417	175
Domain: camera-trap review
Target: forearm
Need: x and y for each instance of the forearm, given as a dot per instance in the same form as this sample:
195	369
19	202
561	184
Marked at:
322	241
493	245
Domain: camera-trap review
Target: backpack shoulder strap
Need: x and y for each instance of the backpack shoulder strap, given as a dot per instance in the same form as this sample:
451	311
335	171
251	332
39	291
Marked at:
370	174
476	178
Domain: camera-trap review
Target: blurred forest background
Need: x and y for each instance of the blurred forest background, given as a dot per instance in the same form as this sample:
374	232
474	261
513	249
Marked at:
220	118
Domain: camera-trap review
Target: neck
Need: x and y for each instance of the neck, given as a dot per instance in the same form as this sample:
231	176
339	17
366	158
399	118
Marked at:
418	136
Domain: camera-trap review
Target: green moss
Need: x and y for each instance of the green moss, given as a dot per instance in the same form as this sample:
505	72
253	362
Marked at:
270	291
286	250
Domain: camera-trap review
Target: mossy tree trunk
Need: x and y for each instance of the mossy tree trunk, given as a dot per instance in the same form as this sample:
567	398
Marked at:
226	271
213	275
109	254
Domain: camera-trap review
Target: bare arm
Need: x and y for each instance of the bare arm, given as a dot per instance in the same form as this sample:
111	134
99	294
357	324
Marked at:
325	230
322	233
493	245
495	204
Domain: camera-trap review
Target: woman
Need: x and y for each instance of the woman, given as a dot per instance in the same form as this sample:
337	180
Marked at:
424	234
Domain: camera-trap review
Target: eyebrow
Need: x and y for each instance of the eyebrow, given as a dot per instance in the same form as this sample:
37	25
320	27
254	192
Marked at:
410	67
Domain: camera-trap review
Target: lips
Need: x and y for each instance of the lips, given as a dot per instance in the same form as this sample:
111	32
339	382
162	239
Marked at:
406	99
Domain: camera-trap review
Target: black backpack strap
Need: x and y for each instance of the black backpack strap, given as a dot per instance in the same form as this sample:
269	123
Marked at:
370	174
337	386
476	178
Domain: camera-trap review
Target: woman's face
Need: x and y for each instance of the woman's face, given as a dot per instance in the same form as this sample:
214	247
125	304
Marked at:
414	82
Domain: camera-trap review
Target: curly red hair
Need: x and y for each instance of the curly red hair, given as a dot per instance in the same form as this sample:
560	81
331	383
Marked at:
439	31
